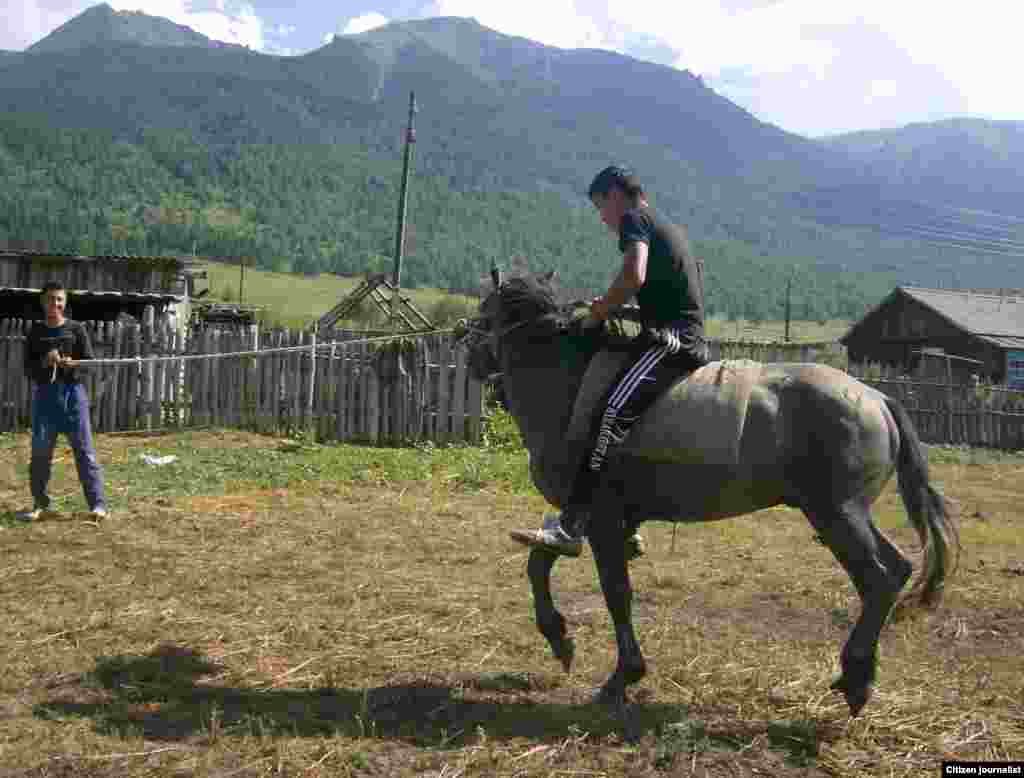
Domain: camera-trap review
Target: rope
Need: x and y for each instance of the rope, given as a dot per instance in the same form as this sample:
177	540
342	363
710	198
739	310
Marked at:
252	353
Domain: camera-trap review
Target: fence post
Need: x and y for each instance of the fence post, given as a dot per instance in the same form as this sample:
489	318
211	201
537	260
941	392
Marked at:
146	349
311	392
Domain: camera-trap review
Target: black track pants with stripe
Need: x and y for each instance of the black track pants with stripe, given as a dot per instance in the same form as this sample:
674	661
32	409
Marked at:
639	385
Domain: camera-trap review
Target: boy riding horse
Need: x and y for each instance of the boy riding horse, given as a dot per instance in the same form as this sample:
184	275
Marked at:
660	270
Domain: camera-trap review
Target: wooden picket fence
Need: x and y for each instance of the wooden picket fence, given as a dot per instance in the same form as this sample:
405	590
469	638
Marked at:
952	413
349	390
420	389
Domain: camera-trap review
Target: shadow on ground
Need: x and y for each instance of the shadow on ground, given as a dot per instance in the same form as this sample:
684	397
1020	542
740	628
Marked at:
173	694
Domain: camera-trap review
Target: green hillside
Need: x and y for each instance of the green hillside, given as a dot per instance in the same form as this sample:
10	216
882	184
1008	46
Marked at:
332	209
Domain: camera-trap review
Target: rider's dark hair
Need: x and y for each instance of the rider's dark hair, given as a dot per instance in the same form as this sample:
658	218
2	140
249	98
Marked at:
616	176
53	286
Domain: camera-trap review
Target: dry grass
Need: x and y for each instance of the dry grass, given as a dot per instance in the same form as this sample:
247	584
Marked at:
382	626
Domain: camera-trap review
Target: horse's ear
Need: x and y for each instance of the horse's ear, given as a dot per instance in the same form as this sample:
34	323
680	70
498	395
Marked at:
549	276
496	277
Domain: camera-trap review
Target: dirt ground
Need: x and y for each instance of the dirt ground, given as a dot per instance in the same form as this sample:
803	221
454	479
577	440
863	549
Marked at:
381	625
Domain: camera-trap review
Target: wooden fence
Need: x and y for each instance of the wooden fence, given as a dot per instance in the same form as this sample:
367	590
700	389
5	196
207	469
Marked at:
951	413
353	390
345	391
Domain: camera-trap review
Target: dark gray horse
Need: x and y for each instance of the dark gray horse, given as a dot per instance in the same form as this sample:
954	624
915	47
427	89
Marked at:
733	438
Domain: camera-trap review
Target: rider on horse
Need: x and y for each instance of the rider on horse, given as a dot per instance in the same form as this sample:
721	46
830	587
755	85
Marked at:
660	270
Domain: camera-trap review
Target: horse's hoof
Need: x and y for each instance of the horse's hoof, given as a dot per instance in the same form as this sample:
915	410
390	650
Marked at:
856	698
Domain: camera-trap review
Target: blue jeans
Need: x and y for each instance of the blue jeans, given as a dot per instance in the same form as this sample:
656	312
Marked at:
56	408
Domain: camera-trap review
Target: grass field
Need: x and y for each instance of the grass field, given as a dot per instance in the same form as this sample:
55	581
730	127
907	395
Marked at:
295	300
264	607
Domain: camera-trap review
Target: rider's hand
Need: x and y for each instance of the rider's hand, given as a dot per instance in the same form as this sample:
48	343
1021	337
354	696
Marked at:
599	309
53	358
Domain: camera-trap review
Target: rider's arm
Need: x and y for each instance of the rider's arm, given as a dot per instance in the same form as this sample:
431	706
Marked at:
627	282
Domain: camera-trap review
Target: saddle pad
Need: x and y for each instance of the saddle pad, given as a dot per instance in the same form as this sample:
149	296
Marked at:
700	417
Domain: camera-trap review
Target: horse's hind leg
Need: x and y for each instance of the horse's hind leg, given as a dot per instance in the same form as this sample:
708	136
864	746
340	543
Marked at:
879	571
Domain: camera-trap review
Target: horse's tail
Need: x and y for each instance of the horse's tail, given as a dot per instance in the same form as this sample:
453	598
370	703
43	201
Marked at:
929	512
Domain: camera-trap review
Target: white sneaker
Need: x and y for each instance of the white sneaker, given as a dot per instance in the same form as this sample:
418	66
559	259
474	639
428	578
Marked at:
634	547
551	536
98	514
31	515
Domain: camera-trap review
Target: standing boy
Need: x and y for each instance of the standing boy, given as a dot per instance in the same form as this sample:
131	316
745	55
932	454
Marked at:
60	403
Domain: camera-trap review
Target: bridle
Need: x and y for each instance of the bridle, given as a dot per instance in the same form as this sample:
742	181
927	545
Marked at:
471	333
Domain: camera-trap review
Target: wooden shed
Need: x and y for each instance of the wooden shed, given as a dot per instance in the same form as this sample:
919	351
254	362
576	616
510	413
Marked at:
986	329
100	288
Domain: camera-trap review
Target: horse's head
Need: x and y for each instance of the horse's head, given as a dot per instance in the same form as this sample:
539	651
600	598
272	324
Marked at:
512	305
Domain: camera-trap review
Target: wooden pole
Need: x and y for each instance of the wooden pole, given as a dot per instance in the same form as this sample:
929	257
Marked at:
403	197
311	393
789	291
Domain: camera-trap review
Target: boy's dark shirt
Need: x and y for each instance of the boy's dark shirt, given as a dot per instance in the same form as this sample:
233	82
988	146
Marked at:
71	339
672	290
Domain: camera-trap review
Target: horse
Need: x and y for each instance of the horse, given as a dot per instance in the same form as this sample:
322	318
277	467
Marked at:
730	439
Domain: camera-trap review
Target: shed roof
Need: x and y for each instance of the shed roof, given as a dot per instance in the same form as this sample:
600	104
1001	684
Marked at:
977	313
1000	318
92	295
182	261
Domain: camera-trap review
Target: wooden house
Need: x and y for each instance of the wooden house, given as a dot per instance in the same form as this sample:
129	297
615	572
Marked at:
984	330
100	288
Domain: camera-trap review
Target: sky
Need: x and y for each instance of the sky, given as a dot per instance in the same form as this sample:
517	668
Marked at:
813	67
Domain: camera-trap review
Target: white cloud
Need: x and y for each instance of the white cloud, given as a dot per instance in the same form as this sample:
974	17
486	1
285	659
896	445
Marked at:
358	24
562	23
809	66
226	20
27	21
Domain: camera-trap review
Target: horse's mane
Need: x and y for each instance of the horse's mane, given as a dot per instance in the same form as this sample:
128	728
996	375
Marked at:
527	297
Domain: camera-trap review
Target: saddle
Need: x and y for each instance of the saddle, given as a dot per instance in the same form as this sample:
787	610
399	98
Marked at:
702	409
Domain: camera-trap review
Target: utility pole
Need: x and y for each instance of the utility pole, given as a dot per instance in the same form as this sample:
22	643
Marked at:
789	292
403	197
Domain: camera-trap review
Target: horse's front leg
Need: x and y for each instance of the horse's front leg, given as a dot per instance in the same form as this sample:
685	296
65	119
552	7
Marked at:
605	537
549	621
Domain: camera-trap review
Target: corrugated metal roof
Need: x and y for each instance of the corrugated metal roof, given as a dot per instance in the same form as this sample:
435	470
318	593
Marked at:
154	296
184	261
979	314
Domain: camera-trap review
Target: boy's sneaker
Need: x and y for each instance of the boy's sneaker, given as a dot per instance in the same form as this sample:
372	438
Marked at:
98	514
551	536
35	514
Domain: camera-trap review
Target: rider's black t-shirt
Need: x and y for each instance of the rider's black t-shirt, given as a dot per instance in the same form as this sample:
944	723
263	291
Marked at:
672	292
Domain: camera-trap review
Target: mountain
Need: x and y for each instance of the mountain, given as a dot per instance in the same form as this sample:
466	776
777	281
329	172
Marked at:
956	183
101	24
949	162
497	113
